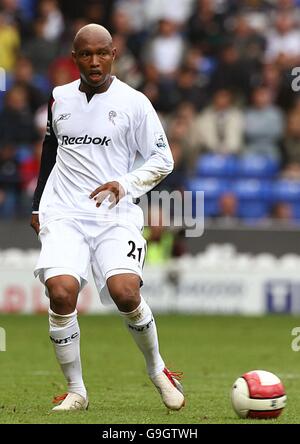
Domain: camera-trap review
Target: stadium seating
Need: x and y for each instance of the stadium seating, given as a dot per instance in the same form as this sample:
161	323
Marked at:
288	191
249	166
296	210
251	177
212	188
256	166
216	165
254	198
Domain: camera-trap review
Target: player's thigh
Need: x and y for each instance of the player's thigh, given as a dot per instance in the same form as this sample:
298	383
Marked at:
121	250
64	245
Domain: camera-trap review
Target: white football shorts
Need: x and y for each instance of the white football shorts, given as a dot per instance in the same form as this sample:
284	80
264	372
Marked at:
110	248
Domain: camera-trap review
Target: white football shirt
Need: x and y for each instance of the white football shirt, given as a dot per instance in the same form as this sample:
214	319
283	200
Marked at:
98	142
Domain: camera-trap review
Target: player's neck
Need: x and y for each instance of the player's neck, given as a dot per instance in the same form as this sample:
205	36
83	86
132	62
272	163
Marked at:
90	91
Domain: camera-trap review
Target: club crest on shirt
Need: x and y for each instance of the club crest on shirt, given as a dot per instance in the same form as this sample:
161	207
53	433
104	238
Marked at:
64	116
111	116
160	140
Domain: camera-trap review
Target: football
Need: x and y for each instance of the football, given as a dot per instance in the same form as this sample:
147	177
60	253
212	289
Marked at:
258	394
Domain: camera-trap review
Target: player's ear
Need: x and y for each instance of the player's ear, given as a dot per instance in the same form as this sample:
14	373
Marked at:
74	57
114	52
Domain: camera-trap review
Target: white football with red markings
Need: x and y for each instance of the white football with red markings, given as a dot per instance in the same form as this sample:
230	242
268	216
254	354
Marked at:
258	394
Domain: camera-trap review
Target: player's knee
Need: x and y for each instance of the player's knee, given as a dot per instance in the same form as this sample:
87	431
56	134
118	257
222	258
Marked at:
126	297
63	297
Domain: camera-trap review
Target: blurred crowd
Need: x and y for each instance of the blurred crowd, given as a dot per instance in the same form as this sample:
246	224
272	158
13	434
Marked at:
219	73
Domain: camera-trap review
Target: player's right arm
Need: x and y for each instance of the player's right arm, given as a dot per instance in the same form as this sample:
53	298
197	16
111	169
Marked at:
48	160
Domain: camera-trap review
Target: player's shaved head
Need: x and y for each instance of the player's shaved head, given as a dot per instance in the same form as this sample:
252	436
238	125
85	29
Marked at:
92	33
93	53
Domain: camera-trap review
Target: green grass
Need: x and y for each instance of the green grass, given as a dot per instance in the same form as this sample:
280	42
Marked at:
211	351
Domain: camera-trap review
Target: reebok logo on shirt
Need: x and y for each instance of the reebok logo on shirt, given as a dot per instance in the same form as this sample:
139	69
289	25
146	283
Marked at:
86	140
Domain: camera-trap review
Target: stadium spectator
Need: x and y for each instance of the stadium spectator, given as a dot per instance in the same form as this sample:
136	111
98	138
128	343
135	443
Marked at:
125	66
9	44
195	60
53	19
162	242
249	43
152	91
289	7
291	141
94	11
66	39
135	14
282	212
178	12
188	88
16	120
165	50
15	14
24	76
39	50
62	71
283	42
28	172
183	130
220	126
9	181
264	125
205	28
228	208
233	73
122	24
279	85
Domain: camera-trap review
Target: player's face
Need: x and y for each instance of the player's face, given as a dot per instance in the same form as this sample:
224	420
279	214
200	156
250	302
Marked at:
94	61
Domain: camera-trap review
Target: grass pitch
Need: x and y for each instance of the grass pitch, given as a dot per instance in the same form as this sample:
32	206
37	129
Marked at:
211	351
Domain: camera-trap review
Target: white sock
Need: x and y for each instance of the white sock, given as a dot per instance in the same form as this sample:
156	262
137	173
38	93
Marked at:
141	324
65	336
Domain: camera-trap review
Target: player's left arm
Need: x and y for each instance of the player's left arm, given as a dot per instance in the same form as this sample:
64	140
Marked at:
153	145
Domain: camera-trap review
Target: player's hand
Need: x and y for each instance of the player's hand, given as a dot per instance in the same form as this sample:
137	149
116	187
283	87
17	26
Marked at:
114	190
35	223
